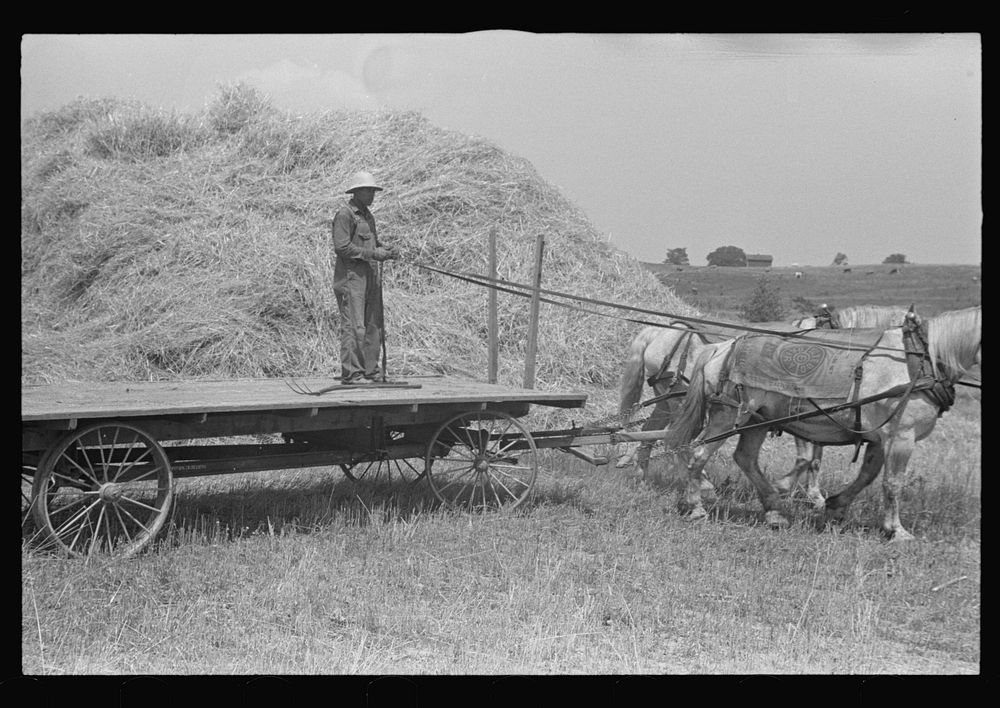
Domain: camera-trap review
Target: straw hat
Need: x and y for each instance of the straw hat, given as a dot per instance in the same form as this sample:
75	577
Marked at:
362	179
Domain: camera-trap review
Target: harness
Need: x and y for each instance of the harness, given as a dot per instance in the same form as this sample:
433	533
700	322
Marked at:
677	382
664	374
940	392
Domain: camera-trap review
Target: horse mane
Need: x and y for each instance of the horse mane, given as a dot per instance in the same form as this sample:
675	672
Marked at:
866	316
953	338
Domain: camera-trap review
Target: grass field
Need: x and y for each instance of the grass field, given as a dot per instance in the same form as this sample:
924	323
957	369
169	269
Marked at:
303	572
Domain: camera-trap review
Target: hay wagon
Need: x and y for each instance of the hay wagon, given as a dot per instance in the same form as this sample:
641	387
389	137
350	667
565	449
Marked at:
99	460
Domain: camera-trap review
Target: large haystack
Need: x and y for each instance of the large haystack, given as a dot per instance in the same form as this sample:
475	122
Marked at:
159	246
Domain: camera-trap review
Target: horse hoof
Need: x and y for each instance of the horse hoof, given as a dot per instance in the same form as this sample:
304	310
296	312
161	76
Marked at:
696	514
900	536
775	520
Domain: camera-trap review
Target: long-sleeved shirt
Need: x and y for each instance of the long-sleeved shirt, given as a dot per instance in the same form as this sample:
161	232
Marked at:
354	240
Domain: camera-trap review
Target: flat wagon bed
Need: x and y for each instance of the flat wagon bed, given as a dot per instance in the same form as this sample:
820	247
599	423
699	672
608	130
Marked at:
88	400
99	459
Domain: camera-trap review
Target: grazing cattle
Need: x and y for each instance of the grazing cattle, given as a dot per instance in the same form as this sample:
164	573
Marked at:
897	406
847	270
893	271
798	274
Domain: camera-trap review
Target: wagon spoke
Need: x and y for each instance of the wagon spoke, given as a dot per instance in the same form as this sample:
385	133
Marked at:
418	473
499	446
137	522
144	476
138	503
82	450
83	471
383	470
78	520
123	469
96	536
121	521
466	433
468	469
494	490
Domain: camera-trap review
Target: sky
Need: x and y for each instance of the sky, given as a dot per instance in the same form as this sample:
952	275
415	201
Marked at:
801	146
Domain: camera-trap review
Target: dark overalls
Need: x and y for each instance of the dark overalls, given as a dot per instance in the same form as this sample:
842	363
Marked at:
356	286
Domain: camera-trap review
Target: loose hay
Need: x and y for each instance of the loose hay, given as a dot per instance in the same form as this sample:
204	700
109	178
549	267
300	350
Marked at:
159	246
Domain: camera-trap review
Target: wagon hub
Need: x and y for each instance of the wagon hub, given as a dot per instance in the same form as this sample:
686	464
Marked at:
481	464
110	492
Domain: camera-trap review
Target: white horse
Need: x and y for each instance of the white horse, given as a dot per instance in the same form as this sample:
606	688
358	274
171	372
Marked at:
904	388
664	358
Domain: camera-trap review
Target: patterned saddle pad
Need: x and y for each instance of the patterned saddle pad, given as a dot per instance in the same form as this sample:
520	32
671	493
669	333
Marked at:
818	364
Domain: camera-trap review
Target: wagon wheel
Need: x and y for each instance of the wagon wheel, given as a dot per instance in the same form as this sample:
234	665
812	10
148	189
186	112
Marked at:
29	468
27	480
109	488
481	460
382	470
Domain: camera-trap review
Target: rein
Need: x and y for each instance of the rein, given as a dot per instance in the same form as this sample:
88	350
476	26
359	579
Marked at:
902	389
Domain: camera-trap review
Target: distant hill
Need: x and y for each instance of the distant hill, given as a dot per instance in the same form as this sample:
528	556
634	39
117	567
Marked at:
719	291
157	245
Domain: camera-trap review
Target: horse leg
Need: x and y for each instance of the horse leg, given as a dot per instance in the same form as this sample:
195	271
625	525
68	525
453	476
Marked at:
892	484
812	479
807	462
836	505
658	420
720	419
691	503
746	454
803	456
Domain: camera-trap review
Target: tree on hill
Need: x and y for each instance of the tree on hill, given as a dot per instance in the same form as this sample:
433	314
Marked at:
677	256
727	256
840	259
764	304
895	258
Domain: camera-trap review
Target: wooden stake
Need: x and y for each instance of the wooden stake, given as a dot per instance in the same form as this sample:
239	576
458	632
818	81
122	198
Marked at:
529	359
494	347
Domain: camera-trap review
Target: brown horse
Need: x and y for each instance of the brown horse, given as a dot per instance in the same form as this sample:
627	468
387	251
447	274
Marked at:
663	357
907	378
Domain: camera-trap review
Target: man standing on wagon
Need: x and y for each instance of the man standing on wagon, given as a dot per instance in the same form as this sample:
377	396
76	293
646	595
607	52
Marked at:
356	282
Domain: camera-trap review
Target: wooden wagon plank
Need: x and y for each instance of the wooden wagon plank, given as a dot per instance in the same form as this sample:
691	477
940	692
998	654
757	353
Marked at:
83	400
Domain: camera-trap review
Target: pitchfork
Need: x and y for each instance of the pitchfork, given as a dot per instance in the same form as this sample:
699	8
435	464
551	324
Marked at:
306	391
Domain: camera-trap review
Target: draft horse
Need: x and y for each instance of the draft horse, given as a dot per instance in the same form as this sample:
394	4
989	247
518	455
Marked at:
663	358
895	387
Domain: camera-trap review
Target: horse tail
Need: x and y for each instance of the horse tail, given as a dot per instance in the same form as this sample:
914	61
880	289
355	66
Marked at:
689	419
632	375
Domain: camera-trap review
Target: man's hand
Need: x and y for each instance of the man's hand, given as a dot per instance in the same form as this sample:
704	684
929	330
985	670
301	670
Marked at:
384	253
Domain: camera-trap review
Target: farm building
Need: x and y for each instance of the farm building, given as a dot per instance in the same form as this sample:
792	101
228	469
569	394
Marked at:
759	260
